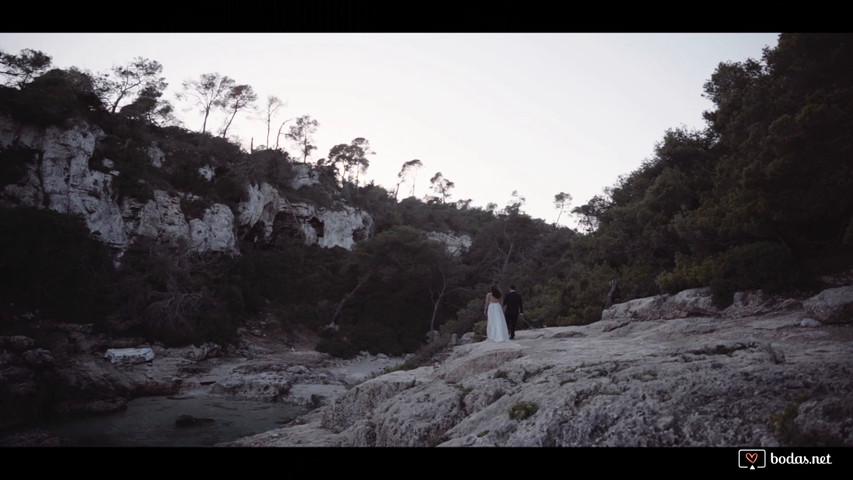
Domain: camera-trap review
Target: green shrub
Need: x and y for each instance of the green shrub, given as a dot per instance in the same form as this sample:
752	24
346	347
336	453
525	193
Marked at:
767	266
228	189
136	174
522	410
686	275
470	318
789	433
57	98
273	167
177	297
185	177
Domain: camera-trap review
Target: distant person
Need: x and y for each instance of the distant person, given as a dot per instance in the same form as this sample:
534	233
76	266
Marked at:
496	330
513	307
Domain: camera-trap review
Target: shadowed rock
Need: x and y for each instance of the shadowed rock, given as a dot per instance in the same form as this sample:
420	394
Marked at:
185	421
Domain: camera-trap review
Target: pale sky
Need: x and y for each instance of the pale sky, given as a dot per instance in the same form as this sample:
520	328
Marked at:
536	113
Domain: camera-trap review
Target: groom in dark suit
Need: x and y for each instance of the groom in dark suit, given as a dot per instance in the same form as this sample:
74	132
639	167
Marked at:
513	306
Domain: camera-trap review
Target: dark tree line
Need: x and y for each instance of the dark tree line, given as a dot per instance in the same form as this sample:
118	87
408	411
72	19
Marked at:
760	198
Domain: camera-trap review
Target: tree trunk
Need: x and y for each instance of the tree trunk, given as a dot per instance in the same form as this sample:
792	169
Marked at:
340	305
437	302
204	124
225	130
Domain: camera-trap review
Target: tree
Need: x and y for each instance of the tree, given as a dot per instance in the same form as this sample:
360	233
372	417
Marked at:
208	92
55	98
463	204
360	148
591	213
149	107
516	201
117	85
561	201
273	105
302	134
781	142
24	66
349	158
409	168
447	277
278	135
237	98
441	187
401	282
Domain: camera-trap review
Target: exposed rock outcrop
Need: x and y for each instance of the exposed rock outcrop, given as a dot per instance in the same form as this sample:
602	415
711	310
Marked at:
266	209
59	177
456	245
124	356
697	302
74	376
655	372
832	306
643	376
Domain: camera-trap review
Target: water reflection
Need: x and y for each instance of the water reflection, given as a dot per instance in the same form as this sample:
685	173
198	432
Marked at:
151	422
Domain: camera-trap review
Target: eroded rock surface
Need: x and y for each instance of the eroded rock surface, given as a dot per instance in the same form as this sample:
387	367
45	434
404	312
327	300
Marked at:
59	177
657	372
78	378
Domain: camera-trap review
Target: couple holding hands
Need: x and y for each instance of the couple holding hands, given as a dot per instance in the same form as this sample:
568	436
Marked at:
502	312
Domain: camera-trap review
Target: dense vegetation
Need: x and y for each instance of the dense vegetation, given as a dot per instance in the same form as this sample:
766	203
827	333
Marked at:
760	199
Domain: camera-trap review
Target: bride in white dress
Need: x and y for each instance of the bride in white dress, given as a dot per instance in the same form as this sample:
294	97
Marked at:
496	329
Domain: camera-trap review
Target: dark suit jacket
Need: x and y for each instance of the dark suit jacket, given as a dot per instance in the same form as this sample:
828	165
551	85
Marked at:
513	303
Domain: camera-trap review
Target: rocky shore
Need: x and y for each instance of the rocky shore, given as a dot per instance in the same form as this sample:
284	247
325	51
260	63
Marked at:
664	371
80	376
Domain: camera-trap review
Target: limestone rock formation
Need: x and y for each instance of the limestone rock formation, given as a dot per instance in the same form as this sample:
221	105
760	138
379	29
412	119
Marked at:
123	356
269	212
163	220
455	244
59	178
656	372
834	305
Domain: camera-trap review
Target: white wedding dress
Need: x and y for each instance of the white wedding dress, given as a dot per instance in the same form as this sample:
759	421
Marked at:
496	330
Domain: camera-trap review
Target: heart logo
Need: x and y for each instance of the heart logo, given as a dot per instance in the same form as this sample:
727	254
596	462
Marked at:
752	457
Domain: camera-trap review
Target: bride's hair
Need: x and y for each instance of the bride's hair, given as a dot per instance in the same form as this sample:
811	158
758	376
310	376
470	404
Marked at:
496	292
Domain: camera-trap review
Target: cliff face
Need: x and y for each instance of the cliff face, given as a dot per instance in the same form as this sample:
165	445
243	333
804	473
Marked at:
267	210
656	372
59	177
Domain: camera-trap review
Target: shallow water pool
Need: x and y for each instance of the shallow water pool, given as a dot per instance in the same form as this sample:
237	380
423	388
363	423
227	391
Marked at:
151	422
